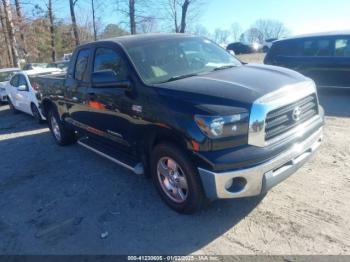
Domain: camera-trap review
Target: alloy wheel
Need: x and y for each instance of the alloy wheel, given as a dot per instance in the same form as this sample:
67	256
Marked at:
172	179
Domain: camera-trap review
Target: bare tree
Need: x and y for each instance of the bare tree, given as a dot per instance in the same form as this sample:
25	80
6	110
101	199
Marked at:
221	36
184	9
236	31
147	25
201	31
132	17
11	32
52	31
94	19
253	35
5	34
135	11
20	23
72	4
271	28
187	8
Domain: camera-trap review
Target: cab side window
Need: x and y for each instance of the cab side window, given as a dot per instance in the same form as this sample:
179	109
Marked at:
81	64
14	81
22	81
107	59
342	47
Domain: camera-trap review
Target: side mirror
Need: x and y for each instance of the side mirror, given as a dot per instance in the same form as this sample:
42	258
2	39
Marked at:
108	79
22	88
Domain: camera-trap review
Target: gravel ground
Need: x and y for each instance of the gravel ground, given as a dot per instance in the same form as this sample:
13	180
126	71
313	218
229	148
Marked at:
56	200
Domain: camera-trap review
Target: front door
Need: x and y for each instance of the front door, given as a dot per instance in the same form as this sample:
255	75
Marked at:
23	96
109	107
340	72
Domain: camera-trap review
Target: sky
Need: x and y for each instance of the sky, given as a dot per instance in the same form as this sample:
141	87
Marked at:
299	16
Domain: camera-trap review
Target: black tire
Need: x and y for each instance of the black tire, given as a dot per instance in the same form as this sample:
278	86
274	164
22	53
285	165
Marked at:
66	135
36	114
12	107
195	197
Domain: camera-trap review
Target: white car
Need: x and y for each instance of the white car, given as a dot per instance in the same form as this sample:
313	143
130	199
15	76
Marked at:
5	76
22	94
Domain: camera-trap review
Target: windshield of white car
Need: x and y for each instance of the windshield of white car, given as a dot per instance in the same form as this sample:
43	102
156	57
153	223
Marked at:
170	60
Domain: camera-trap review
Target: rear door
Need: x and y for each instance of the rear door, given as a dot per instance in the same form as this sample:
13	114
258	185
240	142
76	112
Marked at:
77	84
316	59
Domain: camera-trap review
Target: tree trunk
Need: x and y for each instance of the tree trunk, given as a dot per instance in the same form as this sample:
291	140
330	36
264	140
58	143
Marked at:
176	26
4	30
52	32
11	32
94	19
184	15
132	17
20	22
74	21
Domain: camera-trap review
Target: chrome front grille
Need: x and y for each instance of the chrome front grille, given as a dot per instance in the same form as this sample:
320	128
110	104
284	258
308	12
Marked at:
285	118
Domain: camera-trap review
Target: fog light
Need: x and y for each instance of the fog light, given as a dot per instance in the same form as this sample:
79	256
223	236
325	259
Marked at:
236	184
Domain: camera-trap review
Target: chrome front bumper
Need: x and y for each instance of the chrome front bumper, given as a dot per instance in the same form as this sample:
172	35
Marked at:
264	176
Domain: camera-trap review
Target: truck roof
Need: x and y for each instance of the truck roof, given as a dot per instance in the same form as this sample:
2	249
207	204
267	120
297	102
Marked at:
321	34
130	40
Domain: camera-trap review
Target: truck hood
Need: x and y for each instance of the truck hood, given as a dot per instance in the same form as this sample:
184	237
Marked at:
242	85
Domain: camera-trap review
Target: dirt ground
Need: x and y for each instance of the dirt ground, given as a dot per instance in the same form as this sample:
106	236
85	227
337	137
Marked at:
56	200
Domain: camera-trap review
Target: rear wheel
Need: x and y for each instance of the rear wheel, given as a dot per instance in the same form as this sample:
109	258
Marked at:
62	135
176	179
36	114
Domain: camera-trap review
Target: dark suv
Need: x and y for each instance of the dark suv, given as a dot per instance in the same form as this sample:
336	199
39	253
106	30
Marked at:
323	57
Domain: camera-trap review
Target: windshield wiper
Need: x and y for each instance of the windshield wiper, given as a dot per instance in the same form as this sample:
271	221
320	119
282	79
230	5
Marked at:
174	78
224	67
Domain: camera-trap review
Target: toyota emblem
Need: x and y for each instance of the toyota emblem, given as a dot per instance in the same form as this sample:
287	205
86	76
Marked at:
296	114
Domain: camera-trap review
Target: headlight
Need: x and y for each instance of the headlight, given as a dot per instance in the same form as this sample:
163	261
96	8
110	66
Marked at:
223	126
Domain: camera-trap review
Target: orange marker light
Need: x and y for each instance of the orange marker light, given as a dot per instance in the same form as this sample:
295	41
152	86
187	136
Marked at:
195	146
97	105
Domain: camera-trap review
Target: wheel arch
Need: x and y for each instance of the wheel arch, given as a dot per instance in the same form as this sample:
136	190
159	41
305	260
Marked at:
158	135
46	105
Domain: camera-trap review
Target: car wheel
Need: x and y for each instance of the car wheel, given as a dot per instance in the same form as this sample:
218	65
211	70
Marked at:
62	135
36	114
176	179
12	107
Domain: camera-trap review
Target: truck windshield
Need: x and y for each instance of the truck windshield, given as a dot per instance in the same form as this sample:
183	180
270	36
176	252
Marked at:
169	60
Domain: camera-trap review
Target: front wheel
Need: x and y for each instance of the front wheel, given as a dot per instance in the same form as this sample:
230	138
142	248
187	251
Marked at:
12	107
176	179
36	114
62	135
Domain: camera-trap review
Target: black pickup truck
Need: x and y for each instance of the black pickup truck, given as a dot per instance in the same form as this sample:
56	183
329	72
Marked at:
180	108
